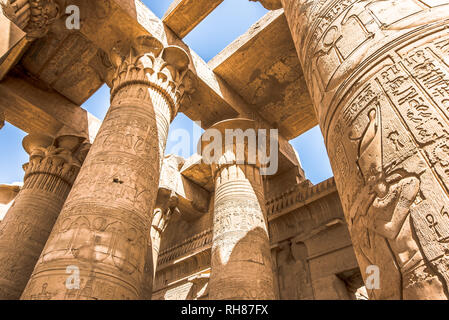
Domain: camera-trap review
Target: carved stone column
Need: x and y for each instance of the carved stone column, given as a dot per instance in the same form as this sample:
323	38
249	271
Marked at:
49	175
32	16
163	211
378	74
166	205
241	259
104	227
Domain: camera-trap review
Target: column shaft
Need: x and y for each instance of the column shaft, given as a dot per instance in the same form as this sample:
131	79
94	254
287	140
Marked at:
241	258
104	226
378	74
241	267
28	223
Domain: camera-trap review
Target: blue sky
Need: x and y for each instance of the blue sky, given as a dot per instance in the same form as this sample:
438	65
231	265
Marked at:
212	35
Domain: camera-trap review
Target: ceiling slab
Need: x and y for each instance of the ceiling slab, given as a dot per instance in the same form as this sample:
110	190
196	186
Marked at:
184	15
263	68
35	109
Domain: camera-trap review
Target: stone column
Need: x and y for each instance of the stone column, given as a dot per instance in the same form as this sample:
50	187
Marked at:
166	205
163	211
241	258
32	16
49	175
104	227
378	74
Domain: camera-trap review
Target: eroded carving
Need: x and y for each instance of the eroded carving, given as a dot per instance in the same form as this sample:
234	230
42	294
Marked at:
32	16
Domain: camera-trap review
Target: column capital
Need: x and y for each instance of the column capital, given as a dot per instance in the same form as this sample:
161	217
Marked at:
239	144
270	4
146	61
61	157
32	16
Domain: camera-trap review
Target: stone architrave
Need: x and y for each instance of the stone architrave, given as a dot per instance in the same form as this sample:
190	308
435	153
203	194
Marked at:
32	16
241	267
49	176
378	75
104	227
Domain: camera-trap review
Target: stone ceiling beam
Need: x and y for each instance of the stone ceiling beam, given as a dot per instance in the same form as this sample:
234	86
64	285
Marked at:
263	68
184	15
214	99
38	110
13	45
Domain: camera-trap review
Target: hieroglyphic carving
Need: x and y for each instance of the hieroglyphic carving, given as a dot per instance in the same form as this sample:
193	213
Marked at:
199	241
49	175
393	170
104	227
241	266
377	72
298	196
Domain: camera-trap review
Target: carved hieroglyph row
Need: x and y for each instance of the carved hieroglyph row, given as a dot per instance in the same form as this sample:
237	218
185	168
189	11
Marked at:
378	74
198	241
297	196
49	175
104	226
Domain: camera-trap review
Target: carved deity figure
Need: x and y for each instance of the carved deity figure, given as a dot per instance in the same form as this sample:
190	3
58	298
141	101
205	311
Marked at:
294	272
385	215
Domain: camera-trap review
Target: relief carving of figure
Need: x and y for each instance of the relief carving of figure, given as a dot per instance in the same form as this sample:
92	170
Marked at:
380	217
294	279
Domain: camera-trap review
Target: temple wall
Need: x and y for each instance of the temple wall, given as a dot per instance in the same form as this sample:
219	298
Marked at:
311	250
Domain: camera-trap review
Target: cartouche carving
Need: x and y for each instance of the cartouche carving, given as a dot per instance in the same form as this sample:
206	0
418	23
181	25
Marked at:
32	16
49	175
